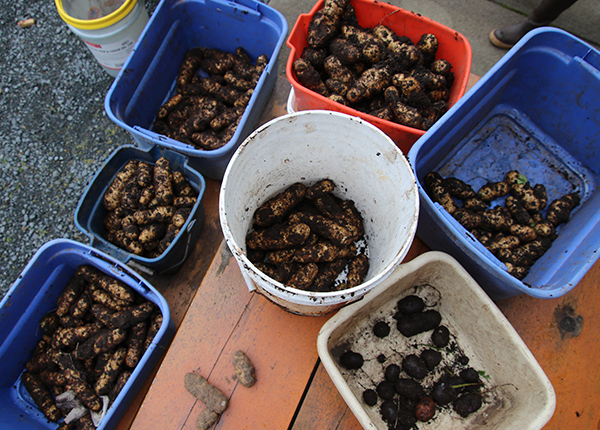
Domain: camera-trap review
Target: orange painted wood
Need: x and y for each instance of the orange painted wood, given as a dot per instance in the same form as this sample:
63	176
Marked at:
282	347
211	317
223	317
324	407
571	362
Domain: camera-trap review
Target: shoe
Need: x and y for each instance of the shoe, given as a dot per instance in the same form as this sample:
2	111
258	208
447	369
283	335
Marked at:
506	37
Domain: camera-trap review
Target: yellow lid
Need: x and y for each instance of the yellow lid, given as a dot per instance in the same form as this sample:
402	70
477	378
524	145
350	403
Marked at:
96	24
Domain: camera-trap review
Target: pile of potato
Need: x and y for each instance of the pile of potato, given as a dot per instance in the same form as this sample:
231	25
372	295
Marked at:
90	345
411	367
515	229
146	207
213	89
375	71
305	237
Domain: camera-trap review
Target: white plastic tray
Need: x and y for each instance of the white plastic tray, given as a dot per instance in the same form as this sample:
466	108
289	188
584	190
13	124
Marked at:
519	394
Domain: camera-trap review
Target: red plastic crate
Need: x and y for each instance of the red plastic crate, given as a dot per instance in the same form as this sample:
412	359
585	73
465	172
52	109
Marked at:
453	47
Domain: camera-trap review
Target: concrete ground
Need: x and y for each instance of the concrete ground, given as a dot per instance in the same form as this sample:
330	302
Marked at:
55	134
475	19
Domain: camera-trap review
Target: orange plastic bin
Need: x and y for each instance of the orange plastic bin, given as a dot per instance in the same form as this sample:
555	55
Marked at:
453	47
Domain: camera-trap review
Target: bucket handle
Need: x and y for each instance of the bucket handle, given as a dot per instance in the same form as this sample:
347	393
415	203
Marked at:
187	242
161	138
251	4
249	282
590	61
120	271
247	279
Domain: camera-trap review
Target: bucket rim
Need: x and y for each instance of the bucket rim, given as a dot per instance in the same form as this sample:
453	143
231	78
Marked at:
314	298
99	23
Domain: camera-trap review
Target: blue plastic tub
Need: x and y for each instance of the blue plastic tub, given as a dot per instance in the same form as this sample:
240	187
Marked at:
537	111
32	296
90	212
147	79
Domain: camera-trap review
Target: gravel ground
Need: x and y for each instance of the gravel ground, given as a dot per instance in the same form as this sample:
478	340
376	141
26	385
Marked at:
54	131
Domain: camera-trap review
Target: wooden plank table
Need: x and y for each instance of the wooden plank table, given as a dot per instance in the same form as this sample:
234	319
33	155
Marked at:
216	315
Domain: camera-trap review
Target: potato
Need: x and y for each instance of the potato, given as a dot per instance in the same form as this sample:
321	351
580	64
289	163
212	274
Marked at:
152	232
560	210
278	236
277	207
370	83
320	252
184	201
191	62
81	306
327	275
123	242
119	384
103	341
320	189
104	298
116	288
85	423
206	419
68	337
278	256
436	188
69	296
82	390
244	369
313	240
428	44
403	113
49	323
225	92
153	328
303	278
163	182
362	62
181	186
149	201
357	269
413	324
135	343
112	196
128	317
325	227
41	396
322	27
211	396
82	354
493	190
110	372
308	76
130	227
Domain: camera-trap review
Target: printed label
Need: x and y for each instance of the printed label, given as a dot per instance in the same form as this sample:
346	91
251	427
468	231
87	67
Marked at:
112	55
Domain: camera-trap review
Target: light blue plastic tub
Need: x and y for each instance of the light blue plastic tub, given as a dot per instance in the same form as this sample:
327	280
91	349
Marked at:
536	111
89	214
33	295
147	79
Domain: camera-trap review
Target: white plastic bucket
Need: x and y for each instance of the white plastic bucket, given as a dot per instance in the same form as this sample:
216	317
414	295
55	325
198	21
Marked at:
110	37
366	166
